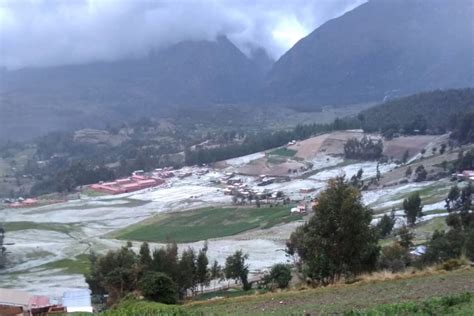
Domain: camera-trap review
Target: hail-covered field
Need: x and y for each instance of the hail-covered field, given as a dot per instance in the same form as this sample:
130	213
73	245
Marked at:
50	243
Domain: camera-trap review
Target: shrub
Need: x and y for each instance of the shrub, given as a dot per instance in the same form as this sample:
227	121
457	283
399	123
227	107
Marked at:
280	275
452	264
158	287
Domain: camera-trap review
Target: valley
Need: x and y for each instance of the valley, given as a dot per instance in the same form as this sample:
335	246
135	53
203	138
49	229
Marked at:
50	241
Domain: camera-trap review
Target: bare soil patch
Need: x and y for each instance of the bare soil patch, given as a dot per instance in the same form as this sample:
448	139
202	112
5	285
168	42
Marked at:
397	147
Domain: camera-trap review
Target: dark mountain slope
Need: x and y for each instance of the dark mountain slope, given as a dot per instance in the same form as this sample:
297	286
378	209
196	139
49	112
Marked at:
432	112
381	49
34	101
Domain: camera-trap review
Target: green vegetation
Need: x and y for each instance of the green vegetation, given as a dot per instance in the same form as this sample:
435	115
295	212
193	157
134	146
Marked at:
460	304
160	275
283	151
365	149
207	223
264	140
338	240
232	292
78	265
436	294
57	227
429	112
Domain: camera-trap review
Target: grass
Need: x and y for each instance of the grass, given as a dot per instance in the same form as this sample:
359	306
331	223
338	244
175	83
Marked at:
283	151
57	227
78	265
227	294
461	304
426	293
423	231
206	223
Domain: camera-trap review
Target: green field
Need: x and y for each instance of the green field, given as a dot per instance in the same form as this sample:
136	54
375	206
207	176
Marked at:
57	227
283	151
77	265
206	223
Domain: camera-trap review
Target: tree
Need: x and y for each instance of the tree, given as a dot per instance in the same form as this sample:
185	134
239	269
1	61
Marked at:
144	256
386	223
202	271
115	273
406	237
159	287
216	271
235	268
452	198
405	157
186	278
378	174
442	149
280	275
413	208
394	257
420	173
338	239
408	172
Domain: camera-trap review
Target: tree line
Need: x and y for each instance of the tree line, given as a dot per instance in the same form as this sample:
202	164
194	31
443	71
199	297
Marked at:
364	149
264	140
164	276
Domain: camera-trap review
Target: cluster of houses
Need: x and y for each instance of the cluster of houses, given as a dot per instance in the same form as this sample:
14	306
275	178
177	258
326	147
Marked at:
29	202
236	187
15	302
137	181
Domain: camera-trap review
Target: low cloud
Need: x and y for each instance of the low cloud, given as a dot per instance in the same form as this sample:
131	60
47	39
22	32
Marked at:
55	32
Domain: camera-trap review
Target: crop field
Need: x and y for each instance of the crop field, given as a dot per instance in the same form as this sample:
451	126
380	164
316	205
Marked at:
207	223
283	151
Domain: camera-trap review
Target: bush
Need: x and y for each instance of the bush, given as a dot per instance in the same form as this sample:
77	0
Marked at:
280	275
453	264
159	287
394	258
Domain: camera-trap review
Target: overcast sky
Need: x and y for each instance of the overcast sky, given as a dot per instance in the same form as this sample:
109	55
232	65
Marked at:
55	32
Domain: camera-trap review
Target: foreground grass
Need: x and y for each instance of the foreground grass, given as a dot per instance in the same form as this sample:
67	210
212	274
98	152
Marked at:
337	299
206	223
427	293
461	304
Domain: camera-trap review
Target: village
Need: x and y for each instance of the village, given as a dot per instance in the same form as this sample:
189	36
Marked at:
48	239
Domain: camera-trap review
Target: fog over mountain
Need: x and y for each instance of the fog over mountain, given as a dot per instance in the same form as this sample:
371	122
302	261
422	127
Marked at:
56	32
78	64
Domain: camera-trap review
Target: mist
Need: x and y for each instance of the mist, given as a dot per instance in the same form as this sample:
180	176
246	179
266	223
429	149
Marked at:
57	32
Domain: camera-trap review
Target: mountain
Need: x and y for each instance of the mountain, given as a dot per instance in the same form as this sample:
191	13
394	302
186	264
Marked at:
432	112
192	73
381	49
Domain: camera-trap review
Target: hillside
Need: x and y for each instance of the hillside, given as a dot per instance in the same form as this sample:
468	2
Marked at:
439	293
381	49
437	110
193	73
